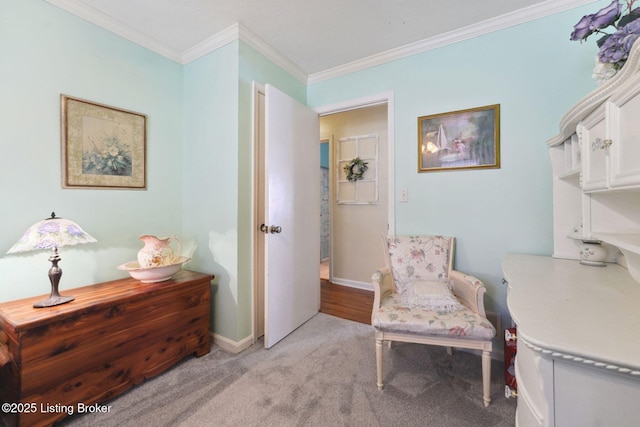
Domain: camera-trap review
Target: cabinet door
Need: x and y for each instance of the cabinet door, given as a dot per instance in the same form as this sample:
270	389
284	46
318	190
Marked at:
624	162
585	396
593	133
535	388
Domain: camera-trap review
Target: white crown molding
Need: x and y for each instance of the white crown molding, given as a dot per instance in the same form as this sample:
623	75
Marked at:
521	16
110	24
273	55
211	44
237	31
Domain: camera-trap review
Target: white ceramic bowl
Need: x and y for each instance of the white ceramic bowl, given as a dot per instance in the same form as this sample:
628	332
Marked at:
153	274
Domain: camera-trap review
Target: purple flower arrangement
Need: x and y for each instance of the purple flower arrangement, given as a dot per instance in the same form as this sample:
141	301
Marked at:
614	47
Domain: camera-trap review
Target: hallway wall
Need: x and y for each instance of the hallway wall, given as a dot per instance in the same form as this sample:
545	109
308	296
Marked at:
356	251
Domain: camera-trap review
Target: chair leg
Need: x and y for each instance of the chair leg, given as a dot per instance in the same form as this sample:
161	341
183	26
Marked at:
486	377
379	362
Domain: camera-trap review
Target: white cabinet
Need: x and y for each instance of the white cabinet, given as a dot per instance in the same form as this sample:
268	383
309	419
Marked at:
566	160
587	396
535	387
604	195
611	140
624	134
577	362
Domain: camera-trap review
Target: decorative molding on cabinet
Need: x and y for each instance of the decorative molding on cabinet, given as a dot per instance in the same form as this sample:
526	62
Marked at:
596	168
581	360
590	102
575	342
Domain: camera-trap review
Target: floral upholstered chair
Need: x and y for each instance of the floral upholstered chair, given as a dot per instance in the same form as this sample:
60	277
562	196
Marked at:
420	298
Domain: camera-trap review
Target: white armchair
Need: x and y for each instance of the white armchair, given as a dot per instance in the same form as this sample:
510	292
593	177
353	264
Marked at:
420	298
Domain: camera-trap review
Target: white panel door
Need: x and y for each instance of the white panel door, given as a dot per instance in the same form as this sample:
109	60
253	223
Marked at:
292	215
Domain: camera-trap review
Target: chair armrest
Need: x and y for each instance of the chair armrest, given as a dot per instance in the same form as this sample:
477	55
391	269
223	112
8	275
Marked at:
382	281
469	290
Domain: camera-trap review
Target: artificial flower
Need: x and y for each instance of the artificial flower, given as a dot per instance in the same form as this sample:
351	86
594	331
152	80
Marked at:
601	19
614	47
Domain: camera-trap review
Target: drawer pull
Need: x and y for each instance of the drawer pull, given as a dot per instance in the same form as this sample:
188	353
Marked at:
600	144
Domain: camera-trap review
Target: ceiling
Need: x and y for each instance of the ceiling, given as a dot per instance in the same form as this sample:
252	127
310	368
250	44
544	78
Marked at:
312	35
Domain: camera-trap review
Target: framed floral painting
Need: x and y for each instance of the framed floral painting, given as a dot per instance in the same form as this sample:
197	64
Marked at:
102	146
464	139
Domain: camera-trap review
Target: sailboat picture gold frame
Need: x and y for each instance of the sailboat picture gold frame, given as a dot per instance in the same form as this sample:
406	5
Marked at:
463	139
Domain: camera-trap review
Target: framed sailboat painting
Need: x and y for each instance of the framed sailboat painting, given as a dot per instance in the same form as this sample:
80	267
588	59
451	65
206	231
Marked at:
464	139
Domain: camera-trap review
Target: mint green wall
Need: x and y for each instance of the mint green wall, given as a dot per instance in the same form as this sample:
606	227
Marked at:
253	67
211	174
218	199
535	73
44	52
199	146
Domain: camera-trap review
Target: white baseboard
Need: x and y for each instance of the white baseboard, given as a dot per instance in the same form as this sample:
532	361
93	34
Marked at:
231	346
352	284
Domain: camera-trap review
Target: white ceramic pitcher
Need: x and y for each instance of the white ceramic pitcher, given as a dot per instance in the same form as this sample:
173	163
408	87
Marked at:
157	252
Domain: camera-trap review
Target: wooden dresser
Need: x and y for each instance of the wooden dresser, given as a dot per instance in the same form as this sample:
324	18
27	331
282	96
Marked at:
61	360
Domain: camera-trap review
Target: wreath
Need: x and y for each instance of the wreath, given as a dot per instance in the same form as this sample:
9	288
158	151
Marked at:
355	169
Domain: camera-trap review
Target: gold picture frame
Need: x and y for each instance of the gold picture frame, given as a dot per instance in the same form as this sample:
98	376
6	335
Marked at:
463	139
103	147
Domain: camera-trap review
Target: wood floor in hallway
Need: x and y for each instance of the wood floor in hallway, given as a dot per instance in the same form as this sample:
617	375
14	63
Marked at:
346	302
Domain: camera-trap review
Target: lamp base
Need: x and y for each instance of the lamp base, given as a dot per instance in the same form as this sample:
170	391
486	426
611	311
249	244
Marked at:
55	273
53	300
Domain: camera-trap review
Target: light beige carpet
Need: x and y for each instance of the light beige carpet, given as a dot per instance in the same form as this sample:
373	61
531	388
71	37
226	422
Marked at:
323	374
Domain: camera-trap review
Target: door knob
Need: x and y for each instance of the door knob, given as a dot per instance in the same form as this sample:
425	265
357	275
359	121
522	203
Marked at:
275	229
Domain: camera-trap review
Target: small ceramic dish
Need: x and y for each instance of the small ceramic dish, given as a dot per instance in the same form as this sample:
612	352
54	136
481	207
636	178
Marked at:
153	274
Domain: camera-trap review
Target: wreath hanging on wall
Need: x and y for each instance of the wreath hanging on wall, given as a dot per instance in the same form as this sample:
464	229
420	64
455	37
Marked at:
355	169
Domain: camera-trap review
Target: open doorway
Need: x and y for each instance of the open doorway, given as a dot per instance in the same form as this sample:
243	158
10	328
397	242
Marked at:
355	212
258	265
325	209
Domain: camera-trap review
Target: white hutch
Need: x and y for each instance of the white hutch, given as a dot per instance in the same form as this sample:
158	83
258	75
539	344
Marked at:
578	360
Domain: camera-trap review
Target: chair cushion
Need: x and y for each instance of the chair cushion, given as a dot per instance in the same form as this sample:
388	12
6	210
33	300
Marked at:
413	258
432	295
394	316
